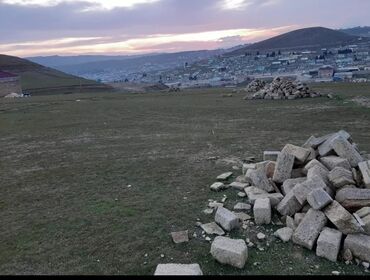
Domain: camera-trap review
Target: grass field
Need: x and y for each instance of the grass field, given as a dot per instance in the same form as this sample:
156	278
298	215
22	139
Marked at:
65	207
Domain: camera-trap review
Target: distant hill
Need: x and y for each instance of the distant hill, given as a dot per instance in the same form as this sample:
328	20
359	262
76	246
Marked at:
363	31
307	38
57	61
130	64
37	78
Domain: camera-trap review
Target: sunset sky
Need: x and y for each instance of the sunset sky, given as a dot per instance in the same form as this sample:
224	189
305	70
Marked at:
65	27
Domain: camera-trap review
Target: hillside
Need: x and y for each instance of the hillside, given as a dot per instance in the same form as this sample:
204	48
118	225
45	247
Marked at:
134	64
314	37
363	31
35	77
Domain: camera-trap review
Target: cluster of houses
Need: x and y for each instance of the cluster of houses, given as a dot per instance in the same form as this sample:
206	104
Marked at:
344	63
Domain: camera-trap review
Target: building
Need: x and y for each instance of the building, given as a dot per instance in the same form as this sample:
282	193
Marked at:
9	83
326	72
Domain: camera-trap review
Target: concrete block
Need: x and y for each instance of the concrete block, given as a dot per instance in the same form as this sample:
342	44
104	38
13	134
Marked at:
230	251
328	244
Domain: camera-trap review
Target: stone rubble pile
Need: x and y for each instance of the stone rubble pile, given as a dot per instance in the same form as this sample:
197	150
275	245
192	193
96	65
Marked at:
319	192
283	89
255	86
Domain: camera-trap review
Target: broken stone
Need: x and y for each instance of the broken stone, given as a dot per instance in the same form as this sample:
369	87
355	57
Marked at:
301	154
289	205
259	179
225	176
297	173
180	237
242	194
365	171
178	269
270	169
253	195
242	179
261	236
242	216
290	223
262	211
284	167
215	205
230	251
344	149
326	147
242	207
364	215
316	170
347	255
226	219
218	187
239	186
285	234
298	218
341	177
328	244
212	228
332	162
313	163
319	199
308	231
290	184
353	199
302	190
247	166
359	244
342	219
208	211
270	155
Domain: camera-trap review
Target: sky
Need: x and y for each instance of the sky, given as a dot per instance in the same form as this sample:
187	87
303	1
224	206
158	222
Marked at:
130	27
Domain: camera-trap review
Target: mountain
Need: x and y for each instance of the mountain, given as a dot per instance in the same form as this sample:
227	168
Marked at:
57	61
37	78
363	31
121	66
307	38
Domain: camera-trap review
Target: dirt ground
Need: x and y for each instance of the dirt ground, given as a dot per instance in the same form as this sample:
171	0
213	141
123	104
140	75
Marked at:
95	183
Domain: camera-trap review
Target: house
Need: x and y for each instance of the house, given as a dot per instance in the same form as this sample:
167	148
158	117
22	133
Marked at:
9	83
326	72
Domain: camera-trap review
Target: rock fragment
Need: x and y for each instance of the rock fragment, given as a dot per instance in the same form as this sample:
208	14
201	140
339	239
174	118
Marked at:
342	219
308	231
262	211
230	251
178	269
328	244
226	219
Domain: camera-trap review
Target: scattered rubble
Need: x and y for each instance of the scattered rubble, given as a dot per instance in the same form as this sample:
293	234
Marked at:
280	89
255	86
320	191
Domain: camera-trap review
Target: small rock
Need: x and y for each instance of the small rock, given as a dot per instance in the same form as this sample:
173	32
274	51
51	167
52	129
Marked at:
242	194
242	207
208	211
225	176
366	265
335	272
180	237
162	256
261	236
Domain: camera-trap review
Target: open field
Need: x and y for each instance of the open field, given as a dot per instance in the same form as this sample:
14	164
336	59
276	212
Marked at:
65	207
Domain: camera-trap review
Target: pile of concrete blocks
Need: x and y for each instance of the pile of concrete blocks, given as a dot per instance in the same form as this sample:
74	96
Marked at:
281	89
319	189
255	86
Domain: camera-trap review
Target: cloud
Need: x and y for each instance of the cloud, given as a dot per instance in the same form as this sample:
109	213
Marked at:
91	4
134	25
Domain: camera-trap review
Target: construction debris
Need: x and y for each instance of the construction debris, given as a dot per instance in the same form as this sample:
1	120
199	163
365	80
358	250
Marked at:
314	189
280	89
